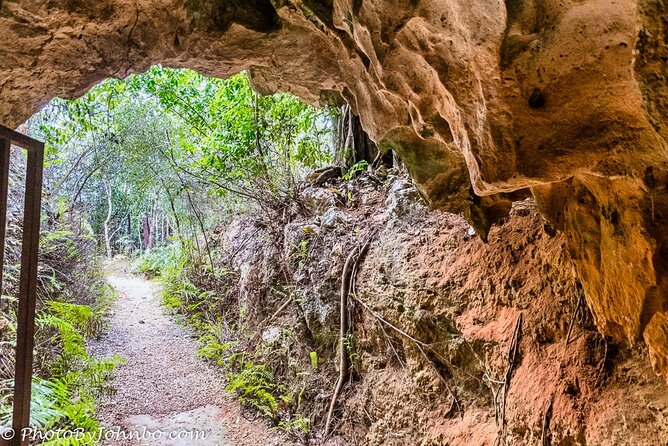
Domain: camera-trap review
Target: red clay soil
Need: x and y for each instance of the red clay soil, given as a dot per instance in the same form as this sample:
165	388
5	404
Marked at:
463	297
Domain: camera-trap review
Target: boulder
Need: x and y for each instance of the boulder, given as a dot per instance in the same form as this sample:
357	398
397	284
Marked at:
317	199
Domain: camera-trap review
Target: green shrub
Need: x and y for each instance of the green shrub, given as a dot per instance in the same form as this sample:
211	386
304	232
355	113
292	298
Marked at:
73	300
297	424
155	261
254	383
212	349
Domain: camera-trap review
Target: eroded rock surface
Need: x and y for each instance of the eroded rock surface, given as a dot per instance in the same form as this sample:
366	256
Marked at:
480	98
433	315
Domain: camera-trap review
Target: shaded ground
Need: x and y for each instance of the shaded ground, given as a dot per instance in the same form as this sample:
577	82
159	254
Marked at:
164	386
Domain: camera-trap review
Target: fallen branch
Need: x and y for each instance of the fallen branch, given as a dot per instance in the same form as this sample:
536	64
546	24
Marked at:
276	313
454	403
418	344
389	343
389	324
243	244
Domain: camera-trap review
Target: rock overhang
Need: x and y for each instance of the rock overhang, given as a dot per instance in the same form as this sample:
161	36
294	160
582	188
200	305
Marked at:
480	98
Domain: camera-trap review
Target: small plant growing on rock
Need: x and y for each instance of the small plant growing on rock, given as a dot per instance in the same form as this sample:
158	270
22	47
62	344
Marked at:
303	252
355	169
351	347
314	360
298	424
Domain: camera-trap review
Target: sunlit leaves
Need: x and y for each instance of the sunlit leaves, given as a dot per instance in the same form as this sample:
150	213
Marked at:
234	131
159	137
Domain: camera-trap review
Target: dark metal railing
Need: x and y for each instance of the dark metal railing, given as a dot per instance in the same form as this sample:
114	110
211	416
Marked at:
25	321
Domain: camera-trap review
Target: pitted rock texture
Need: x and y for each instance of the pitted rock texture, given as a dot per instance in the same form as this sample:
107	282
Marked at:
480	98
433	315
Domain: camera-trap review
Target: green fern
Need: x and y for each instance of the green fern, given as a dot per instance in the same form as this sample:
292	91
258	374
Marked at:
297	424
67	399
255	386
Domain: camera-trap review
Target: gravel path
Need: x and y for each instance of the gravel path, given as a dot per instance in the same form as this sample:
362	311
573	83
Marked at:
164	386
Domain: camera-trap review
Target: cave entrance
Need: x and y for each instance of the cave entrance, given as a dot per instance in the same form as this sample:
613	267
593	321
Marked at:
135	163
27	294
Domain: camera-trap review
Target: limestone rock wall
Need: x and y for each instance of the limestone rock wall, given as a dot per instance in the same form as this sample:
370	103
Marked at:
434	313
481	98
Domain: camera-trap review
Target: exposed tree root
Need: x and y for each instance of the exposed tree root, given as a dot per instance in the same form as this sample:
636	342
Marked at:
350	269
578	305
513	350
269	319
601	365
546	437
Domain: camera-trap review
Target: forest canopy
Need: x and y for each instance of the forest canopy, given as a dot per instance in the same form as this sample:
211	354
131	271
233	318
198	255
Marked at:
137	158
155	167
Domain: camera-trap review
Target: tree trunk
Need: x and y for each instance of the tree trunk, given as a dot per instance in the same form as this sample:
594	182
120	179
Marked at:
352	144
154	234
107	238
146	233
140	239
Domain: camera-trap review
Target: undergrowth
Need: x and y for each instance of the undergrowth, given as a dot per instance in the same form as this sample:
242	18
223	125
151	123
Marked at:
73	299
205	302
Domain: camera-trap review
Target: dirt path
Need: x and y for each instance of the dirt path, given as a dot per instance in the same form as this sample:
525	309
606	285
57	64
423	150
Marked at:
164	386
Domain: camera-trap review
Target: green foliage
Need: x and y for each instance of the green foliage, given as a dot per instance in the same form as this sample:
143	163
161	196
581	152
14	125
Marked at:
256	387
152	149
168	263
314	360
236	135
297	424
355	169
60	242
67	399
254	383
153	262
150	165
69	337
302	252
350	343
73	298
85	319
179	293
215	351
